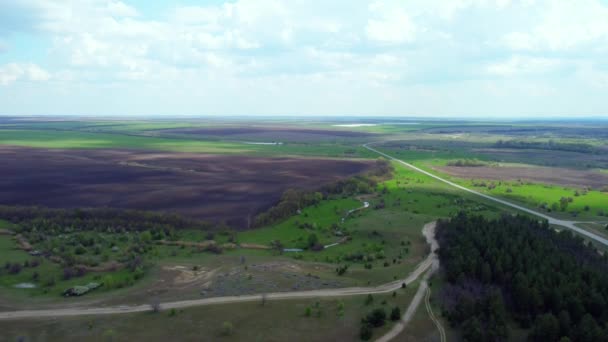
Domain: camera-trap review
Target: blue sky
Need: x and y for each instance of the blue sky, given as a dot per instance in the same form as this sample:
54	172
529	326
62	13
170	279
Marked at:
435	58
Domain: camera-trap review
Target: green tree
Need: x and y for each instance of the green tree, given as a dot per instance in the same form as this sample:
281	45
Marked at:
227	329
313	240
546	328
369	299
563	203
472	331
365	333
376	318
395	314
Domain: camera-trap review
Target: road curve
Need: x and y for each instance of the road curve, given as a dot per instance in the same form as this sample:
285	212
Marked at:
564	223
429	261
429	233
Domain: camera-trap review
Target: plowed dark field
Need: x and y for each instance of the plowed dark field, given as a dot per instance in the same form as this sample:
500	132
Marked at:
230	189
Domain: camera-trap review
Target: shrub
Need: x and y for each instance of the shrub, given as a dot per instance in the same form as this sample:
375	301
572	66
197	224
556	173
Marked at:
395	314
376	318
369	299
227	329
365	333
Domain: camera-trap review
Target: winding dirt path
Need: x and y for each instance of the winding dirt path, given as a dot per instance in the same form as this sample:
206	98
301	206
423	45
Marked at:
431	262
429	233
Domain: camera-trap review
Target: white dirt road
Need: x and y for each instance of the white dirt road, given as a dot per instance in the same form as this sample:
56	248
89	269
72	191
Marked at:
429	262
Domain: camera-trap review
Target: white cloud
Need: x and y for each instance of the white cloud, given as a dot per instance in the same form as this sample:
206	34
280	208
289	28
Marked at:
562	25
390	25
521	65
316	54
13	72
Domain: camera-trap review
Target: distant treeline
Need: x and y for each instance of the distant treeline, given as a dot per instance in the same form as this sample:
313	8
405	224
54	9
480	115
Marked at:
516	268
467	163
293	200
549	145
56	221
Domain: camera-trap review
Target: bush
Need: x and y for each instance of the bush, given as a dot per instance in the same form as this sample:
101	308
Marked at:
227	329
369	299
340	270
366	332
376	318
395	314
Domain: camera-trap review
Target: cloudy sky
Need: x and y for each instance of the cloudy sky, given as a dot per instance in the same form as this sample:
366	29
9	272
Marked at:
474	58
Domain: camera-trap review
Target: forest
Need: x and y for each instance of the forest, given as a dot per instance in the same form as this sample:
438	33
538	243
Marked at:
517	272
56	221
549	145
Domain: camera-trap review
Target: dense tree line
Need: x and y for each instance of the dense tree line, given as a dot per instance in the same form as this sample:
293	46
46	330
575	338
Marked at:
467	163
518	268
293	200
55	221
549	145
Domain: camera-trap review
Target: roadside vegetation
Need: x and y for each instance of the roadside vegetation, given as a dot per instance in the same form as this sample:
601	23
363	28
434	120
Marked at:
293	320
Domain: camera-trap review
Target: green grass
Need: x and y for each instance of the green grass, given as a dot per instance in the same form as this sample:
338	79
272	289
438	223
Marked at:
534	194
276	321
90	140
411	200
9	251
321	217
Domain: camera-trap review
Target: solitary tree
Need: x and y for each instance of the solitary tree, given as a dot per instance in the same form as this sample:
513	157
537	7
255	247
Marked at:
227	329
366	332
155	305
264	299
395	314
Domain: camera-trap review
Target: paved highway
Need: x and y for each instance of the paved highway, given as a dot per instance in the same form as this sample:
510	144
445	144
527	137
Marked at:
564	223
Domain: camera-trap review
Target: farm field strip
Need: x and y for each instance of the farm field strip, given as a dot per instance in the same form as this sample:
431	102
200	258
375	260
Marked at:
564	223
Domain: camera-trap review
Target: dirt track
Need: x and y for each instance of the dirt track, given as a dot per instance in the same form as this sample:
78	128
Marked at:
430	262
211	187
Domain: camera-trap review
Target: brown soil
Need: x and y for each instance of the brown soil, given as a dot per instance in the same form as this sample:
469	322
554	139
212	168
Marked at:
23	243
559	176
219	188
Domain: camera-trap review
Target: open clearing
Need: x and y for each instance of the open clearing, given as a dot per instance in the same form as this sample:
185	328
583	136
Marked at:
558	176
212	187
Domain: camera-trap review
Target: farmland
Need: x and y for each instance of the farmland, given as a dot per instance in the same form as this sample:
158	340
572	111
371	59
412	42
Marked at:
165	211
210	187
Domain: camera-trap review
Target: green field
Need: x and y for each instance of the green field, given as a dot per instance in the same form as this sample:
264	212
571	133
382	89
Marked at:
88	140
